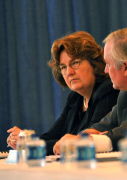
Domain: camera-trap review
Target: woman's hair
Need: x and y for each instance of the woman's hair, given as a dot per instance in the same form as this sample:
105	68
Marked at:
118	51
78	45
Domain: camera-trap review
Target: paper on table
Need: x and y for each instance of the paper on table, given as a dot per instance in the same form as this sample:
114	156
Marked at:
12	157
52	158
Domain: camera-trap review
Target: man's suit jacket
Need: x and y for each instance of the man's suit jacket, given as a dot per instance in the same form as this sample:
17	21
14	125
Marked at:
116	121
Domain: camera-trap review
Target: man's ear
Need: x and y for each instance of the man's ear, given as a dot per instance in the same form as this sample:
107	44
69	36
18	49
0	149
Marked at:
125	72
125	64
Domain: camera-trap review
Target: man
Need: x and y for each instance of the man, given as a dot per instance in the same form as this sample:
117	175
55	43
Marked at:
113	127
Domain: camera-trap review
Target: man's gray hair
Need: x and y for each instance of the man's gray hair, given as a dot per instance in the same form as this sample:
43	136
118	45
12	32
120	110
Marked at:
119	49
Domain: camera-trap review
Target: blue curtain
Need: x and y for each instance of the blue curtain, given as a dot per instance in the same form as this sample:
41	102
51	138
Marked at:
30	98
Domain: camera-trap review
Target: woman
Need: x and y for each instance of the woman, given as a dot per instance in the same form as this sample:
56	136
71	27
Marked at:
77	63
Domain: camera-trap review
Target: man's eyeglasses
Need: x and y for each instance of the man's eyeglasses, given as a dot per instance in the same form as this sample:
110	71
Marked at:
74	64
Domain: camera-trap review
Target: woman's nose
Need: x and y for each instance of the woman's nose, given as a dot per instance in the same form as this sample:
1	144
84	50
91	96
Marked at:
69	70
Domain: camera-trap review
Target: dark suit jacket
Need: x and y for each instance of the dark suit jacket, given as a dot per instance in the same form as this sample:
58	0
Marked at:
116	121
73	119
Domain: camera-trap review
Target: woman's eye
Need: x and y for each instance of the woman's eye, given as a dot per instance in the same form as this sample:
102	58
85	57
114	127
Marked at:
63	67
75	62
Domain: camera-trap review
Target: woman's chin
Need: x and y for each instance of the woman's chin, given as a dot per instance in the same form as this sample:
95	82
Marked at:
76	88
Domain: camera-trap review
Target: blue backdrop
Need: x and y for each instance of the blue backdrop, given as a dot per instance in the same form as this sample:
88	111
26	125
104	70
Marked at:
29	95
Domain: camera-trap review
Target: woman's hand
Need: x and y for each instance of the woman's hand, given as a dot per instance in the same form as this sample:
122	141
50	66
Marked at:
56	148
13	137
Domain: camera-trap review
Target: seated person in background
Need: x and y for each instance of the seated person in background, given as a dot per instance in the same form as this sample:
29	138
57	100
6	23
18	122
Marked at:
112	127
77	63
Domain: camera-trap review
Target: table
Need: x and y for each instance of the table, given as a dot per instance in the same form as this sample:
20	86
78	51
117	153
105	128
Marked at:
107	168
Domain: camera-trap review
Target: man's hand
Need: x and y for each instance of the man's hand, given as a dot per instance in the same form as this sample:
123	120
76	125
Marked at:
56	148
91	131
13	137
105	132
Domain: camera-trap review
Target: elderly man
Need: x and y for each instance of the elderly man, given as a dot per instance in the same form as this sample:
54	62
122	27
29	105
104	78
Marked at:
113	127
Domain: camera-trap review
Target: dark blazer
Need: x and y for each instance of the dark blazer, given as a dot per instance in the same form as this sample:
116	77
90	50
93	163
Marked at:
116	121
73	119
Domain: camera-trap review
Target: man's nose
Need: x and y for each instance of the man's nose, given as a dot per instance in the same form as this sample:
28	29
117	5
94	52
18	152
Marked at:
106	69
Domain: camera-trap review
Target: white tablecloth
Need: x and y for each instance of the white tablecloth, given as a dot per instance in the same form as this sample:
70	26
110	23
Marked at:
106	170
